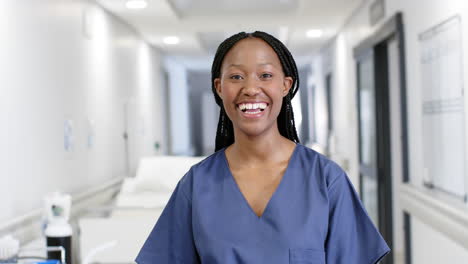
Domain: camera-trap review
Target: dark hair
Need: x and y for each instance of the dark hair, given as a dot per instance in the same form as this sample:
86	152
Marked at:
286	125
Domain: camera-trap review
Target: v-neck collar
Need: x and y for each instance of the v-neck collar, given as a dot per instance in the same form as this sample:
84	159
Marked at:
238	190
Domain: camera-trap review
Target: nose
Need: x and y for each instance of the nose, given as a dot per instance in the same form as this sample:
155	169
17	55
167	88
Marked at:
252	86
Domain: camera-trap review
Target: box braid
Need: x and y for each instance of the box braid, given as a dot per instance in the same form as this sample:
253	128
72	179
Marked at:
286	124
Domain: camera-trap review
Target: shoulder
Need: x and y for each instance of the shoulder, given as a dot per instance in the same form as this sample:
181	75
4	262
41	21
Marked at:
202	171
319	165
211	163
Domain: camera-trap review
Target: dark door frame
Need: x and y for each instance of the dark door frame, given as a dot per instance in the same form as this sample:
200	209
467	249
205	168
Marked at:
329	98
378	43
167	112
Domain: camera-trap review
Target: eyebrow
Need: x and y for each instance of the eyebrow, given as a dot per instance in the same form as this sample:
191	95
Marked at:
240	65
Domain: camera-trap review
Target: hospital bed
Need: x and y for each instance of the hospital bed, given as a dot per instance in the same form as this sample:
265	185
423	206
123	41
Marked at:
118	237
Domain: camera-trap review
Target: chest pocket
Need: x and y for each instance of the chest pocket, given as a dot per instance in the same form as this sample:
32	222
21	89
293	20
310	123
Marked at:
306	256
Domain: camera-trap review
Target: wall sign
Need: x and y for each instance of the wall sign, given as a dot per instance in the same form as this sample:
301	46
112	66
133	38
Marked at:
443	107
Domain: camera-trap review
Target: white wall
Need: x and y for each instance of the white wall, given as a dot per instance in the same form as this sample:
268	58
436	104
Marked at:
337	58
419	15
432	246
429	245
54	69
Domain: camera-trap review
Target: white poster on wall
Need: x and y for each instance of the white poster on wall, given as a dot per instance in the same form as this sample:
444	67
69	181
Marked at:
443	107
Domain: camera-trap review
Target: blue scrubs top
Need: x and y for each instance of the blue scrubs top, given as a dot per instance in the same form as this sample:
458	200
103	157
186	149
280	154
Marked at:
314	216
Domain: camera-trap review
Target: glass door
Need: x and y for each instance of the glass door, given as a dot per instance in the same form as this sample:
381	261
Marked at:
367	136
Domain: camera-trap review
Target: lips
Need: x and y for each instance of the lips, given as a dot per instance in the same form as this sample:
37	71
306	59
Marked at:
252	109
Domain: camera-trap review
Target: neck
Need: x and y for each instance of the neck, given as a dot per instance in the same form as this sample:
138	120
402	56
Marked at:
252	149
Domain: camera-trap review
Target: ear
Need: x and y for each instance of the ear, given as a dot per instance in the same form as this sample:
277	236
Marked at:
287	84
217	85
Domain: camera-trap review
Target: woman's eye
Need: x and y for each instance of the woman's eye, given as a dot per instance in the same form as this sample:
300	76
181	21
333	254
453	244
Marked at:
236	77
266	76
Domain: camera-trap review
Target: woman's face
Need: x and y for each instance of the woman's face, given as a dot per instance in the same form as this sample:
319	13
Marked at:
252	86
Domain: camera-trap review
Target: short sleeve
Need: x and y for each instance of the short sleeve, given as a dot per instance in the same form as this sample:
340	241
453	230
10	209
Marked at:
171	240
352	237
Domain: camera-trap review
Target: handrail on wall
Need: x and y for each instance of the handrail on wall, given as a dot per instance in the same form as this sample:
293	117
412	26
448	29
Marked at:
441	213
23	225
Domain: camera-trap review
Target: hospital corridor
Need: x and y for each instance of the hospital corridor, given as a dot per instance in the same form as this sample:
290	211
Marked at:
105	105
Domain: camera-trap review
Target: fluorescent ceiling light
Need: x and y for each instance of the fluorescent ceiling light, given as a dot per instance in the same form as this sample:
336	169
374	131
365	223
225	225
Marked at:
136	4
314	33
171	40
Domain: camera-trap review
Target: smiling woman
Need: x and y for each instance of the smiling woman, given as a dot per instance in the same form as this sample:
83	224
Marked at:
262	197
274	64
252	75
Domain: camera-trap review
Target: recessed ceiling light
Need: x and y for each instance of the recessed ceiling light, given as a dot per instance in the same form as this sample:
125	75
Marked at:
171	40
314	33
136	4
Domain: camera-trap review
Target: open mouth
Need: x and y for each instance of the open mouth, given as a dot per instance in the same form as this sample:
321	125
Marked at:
252	108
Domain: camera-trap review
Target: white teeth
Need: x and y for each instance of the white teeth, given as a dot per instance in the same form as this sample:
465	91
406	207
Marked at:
250	106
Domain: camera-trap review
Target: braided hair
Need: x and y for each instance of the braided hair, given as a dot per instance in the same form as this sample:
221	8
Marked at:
286	125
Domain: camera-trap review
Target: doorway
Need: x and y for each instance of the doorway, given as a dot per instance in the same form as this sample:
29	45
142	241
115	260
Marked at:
381	96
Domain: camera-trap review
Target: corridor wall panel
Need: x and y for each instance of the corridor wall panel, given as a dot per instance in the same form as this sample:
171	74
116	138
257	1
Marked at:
70	64
418	16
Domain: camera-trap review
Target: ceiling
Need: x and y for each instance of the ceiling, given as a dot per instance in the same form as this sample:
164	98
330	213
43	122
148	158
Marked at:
202	24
